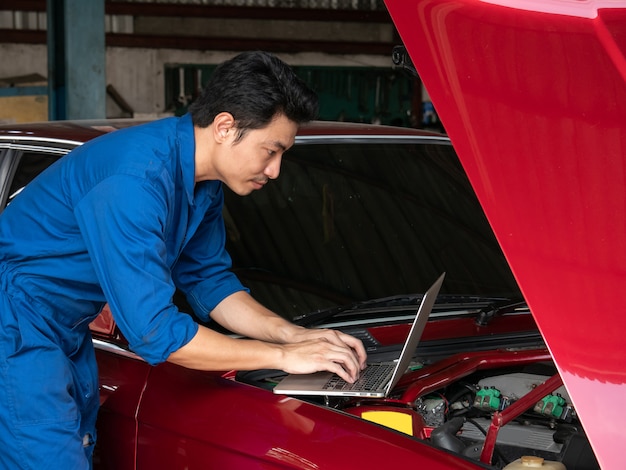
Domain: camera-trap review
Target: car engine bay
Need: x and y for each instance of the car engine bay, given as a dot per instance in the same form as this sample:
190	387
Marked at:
492	406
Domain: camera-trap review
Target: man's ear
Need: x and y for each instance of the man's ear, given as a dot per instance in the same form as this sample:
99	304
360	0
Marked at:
223	126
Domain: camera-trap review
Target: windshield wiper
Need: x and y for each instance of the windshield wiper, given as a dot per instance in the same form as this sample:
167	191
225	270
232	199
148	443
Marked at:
485	308
320	316
486	314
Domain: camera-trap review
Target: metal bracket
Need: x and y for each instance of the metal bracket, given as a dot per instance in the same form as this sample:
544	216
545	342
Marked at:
400	57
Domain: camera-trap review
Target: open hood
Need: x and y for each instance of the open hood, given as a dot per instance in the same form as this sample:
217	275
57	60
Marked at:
533	96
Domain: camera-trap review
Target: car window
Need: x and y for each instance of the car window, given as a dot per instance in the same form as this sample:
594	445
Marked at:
29	166
358	221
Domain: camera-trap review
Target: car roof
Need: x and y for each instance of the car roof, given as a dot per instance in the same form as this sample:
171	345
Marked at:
84	130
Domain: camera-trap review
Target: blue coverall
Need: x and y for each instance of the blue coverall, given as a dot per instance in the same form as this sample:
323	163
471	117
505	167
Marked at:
119	220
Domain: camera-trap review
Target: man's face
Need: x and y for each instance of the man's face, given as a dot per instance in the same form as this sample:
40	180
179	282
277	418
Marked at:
256	158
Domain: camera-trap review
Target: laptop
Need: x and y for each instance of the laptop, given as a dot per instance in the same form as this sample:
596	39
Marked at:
377	379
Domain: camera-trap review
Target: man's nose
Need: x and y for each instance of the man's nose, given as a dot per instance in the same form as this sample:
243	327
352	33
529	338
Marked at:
273	169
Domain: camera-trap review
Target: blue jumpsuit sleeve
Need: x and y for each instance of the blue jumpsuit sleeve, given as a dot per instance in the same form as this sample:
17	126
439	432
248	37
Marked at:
203	269
122	220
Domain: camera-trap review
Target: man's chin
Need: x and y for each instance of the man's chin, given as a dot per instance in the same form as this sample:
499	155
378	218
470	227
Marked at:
243	191
246	189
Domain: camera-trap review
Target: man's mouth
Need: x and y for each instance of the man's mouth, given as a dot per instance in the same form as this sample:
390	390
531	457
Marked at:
259	183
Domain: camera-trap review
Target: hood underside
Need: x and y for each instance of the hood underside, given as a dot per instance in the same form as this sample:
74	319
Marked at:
532	96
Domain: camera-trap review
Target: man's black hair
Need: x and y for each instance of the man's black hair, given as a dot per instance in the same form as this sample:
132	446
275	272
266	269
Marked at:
254	87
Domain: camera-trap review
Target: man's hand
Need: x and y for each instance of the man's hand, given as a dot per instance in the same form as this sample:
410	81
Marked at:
312	350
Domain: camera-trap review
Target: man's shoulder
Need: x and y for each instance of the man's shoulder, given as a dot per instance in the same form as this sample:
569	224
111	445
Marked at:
159	131
135	143
147	150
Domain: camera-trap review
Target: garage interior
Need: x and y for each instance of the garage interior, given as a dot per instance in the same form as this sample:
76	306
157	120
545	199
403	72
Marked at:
71	59
541	148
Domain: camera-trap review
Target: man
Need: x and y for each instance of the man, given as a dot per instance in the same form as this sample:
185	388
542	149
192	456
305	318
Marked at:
127	219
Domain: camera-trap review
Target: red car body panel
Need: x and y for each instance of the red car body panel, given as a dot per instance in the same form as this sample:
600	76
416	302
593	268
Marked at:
532	94
271	431
122	381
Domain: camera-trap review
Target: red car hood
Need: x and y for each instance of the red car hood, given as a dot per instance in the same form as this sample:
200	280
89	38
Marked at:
533	96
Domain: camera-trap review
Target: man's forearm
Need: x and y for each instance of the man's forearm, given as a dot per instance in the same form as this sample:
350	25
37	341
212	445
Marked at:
209	350
243	315
277	344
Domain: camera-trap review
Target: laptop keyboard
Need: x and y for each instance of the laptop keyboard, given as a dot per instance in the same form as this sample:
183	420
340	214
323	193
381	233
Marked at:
372	378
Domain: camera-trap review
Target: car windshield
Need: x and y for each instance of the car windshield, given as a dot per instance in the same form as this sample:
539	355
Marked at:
365	219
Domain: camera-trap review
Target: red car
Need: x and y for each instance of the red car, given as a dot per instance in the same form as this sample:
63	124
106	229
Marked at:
359	224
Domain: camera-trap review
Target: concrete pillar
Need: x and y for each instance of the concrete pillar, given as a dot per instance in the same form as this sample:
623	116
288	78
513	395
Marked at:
76	59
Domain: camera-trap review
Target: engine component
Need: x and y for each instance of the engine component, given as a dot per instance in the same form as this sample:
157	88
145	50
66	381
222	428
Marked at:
432	410
551	406
529	461
488	399
517	385
538	438
444	436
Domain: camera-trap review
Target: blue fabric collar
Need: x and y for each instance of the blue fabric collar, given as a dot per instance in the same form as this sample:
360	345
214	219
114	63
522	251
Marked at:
197	194
187	152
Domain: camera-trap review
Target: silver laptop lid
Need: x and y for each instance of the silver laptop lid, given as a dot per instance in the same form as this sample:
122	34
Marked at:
426	306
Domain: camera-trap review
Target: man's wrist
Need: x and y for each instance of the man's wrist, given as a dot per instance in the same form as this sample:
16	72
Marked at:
288	333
